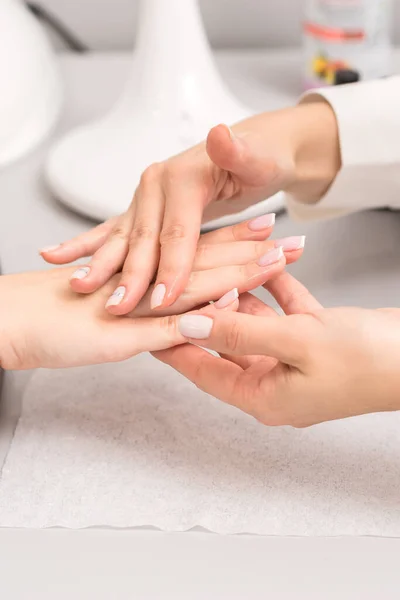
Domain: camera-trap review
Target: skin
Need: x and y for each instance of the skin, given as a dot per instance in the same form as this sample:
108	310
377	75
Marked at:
45	323
309	366
296	150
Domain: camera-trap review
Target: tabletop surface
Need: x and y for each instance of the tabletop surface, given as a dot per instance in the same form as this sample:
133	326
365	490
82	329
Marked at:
351	261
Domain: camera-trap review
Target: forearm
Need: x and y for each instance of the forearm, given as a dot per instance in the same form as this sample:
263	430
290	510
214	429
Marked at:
304	140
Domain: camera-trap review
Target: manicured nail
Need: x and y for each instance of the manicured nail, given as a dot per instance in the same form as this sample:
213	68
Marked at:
81	273
263	222
116	297
290	244
271	257
49	249
195	327
227	299
232	135
158	295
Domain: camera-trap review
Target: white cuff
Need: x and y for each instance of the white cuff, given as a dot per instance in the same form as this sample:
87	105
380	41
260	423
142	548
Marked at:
368	116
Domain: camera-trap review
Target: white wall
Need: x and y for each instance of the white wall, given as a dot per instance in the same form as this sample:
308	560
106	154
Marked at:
111	23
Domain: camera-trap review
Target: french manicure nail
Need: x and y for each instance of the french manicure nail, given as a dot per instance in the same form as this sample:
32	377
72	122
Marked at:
271	257
158	295
262	222
227	299
49	249
231	134
290	244
116	297
196	327
81	273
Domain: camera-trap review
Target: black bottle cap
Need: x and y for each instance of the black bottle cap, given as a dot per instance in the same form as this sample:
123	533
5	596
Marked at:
343	76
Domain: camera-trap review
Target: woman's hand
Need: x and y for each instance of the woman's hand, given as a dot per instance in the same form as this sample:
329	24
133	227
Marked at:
310	366
295	150
43	323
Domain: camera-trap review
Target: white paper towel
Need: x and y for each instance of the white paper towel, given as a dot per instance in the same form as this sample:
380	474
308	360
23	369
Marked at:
135	444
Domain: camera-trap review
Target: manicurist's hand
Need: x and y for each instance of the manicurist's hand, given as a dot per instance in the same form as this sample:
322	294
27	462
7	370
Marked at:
296	150
310	366
43	323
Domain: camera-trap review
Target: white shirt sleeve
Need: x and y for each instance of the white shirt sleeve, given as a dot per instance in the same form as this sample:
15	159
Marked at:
368	116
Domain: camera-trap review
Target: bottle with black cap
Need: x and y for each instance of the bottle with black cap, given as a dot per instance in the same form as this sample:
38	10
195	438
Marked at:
346	41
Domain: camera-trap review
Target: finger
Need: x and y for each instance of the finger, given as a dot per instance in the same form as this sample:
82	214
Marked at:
212	284
285	339
144	249
250	305
108	260
127	337
255	229
209	373
235	253
185	201
291	295
235	154
85	244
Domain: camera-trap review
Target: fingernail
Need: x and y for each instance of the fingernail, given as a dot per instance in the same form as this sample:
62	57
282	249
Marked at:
290	244
262	222
271	257
227	299
81	273
49	249
158	295
195	327
232	135
116	297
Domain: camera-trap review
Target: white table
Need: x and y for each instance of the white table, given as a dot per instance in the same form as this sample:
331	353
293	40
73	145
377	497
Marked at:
353	261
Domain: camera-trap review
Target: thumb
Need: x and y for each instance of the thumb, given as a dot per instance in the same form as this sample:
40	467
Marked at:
235	333
243	157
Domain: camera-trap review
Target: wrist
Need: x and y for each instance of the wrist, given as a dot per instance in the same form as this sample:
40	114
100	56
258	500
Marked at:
316	150
10	323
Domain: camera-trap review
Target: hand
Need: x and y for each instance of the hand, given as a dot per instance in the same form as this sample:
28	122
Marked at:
43	323
310	366
295	150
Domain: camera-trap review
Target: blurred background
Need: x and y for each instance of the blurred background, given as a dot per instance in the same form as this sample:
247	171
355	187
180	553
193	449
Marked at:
110	24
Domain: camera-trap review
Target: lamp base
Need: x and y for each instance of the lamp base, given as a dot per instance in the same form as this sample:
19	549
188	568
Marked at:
96	168
170	103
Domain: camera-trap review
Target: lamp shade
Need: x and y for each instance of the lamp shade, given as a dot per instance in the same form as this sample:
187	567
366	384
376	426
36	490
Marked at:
30	97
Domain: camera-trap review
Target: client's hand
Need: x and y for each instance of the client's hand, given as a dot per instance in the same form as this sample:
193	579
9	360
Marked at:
43	323
310	366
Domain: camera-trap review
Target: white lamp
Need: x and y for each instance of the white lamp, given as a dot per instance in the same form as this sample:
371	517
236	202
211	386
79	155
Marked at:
174	98
30	96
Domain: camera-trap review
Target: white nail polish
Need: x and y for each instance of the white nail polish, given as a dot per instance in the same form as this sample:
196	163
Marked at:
81	273
195	327
232	135
116	297
227	299
49	249
290	244
158	295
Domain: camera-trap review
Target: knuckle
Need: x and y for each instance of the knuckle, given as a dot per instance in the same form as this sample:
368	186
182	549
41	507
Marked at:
199	369
173	171
246	271
253	306
140	232
295	300
152	173
172	233
120	232
234	337
169	324
202	251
